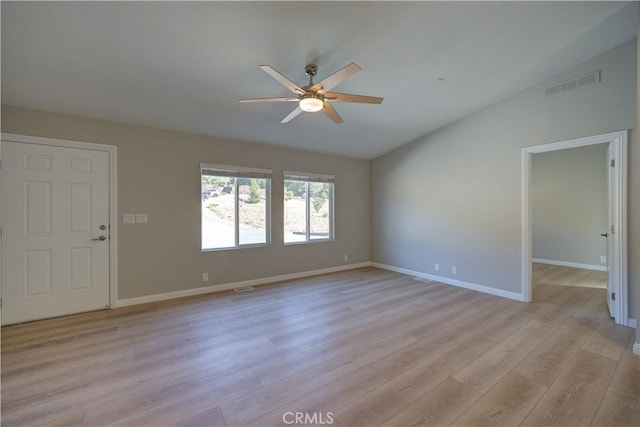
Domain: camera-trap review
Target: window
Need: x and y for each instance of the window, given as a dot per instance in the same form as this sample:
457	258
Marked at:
308	207
235	207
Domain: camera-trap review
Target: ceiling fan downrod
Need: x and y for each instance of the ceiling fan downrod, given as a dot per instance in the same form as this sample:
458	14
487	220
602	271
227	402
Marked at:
311	70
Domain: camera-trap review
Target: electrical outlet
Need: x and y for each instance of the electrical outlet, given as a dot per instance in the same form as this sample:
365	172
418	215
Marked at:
205	277
128	219
346	257
436	267
454	270
142	218
603	259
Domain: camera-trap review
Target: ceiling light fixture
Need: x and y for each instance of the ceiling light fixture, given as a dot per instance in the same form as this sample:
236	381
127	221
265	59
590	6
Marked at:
310	104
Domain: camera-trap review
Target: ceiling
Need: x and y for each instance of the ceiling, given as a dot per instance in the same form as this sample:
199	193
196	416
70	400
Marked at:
183	66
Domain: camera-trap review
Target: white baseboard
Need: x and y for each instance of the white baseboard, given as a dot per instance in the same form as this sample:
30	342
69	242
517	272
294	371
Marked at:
632	323
636	348
227	286
570	264
459	283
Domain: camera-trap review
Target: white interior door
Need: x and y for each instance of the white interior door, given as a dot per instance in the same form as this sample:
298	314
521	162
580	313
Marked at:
55	234
608	234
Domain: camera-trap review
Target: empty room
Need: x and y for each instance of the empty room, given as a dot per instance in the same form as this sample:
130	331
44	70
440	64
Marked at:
319	213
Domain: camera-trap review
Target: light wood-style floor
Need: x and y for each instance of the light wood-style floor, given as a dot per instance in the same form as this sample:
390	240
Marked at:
364	347
568	276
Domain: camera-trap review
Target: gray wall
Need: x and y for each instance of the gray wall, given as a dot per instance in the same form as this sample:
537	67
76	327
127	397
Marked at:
453	197
158	173
569	205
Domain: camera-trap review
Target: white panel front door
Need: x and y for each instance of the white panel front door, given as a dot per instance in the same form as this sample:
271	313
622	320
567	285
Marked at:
55	208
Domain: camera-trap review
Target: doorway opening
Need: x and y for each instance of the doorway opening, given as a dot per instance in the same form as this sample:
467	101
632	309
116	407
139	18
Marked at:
614	262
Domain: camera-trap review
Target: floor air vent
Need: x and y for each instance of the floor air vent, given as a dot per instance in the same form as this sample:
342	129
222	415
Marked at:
575	83
244	289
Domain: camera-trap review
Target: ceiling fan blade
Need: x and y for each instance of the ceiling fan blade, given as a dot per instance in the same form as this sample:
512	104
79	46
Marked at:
291	115
331	112
349	97
335	79
279	99
282	79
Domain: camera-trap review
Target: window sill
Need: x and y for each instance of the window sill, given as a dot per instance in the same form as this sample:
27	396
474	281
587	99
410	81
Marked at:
233	248
306	242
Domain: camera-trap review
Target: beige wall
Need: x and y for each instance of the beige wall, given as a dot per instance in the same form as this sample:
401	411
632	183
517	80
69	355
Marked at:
158	174
569	199
453	197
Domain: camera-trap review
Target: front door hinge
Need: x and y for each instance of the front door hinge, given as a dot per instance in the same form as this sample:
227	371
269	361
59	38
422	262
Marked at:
613	296
613	163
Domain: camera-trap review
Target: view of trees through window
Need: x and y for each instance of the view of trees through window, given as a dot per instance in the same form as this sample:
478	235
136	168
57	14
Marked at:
307	210
222	226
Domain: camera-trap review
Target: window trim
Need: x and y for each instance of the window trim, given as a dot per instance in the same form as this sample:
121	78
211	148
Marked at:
310	177
240	172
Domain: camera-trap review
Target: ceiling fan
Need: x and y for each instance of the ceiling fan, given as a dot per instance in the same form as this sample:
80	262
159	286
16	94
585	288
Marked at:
316	96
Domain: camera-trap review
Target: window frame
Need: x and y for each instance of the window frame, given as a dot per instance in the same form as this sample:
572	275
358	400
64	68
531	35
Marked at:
238	172
308	178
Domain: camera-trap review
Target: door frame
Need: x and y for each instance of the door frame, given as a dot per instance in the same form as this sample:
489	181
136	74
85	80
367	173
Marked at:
112	151
618	141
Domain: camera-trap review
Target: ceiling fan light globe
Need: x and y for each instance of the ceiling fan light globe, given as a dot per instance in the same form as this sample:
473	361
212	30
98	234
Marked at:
310	104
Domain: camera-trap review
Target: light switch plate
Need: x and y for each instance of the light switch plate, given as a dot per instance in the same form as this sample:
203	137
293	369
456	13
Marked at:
128	219
142	218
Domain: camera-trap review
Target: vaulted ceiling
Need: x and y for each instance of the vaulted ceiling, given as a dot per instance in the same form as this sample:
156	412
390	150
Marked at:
184	65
